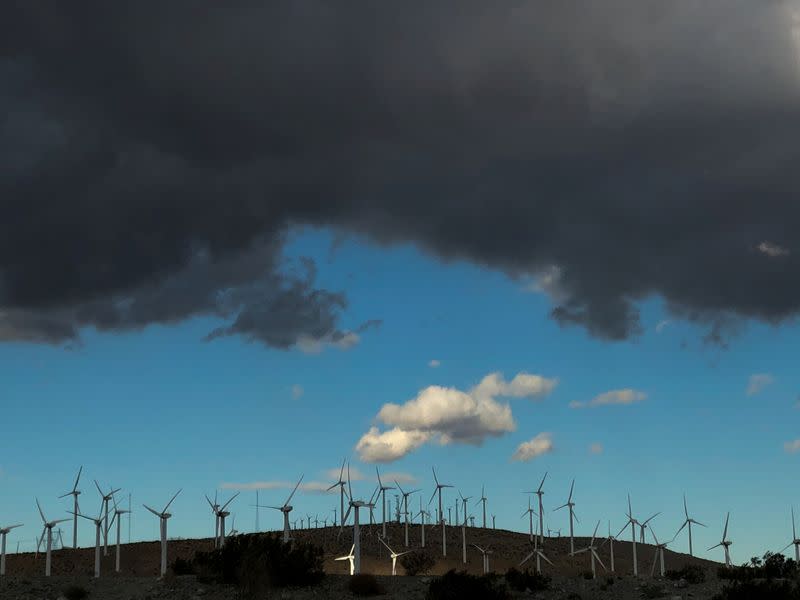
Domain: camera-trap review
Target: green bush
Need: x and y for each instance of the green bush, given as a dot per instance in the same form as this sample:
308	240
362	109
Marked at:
365	584
759	589
259	562
182	566
525	580
690	573
463	586
417	563
75	592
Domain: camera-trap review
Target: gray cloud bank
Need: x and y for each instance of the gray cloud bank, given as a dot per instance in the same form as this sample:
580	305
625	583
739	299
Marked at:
154	155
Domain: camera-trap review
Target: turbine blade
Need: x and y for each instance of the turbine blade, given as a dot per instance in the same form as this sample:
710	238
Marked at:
434	476
224	506
541	484
712	547
172	500
527	558
77	479
570	491
682	528
685	510
41	513
97	485
289	499
597	558
152	510
541	554
725	532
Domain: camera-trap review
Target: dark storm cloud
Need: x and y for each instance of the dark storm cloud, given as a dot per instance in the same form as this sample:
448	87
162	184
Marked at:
154	154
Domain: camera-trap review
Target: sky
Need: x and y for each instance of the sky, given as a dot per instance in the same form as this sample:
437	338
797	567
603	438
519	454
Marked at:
514	241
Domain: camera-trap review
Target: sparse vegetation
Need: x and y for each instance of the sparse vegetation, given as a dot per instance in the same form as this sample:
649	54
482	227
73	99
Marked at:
588	575
463	586
771	566
365	585
652	590
761	589
693	574
417	563
75	592
182	566
525	580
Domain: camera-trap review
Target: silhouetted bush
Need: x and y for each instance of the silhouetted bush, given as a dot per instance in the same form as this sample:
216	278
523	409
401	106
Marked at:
463	586
652	590
75	592
525	580
417	563
259	562
772	566
690	573
181	566
759	589
588	575
365	584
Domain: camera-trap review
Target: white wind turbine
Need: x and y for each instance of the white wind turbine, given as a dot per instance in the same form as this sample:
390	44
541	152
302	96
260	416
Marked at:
592	550
98	527
405	506
382	489
355	504
394	555
464	529
214	509
610	539
725	543
633	523
106	498
118	512
75	492
571	505
442	522
485	555
643	527
539	556
48	531
493	521
530	512
286	509
351	557
163	516
341	484
422	514
660	547
688	522
795	542
482	500
539	492
3	534
221	515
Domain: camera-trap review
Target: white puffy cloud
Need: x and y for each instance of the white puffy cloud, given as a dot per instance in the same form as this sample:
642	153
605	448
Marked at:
792	447
387	446
297	391
536	446
450	415
596	448
623	396
434	363
772	250
758	382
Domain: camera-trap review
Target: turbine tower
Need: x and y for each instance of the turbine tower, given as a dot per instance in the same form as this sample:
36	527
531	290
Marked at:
221	514
464	529
382	489
659	553
104	506
725	543
688	522
394	555
355	504
539	492
795	541
3	534
633	523
592	550
482	500
341	484
442	522
643	527
572	516
118	512
530	512
610	539
163	516
405	505
485	555
48	531
422	514
539	557
98	526
214	509
286	509
351	557
75	492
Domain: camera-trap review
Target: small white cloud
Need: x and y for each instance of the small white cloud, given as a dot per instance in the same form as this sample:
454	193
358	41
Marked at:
434	363
772	250
623	396
398	476
596	448
333	474
297	391
792	447
548	281
758	382
662	325
383	447
537	446
343	340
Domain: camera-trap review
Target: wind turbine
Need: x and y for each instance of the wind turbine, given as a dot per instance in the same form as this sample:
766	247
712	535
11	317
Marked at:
382	489
725	543
439	487
422	513
688	522
493	521
539	492
539	556
394	555
633	523
286	509
643	526
659	553
233	530
75	492
214	509
572	516
485	555
592	550
482	499
98	526
104	506
795	541
530	512
611	539
221	514
3	534
341	484
464	529
355	504
351	558
118	512
163	516
405	505
48	530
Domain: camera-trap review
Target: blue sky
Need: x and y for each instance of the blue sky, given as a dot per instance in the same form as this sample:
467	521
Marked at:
158	409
